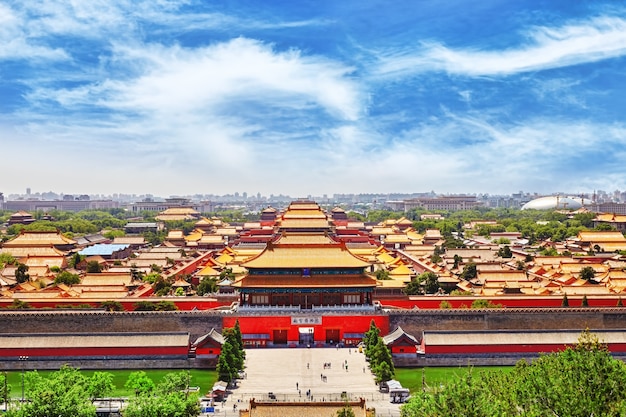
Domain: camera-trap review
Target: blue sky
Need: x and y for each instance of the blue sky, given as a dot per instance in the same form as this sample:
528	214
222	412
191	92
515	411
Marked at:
312	97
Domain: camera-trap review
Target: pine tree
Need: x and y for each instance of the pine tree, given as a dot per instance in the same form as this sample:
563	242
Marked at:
239	340
584	302
225	363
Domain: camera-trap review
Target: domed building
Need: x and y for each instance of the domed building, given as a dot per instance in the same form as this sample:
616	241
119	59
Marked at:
554	202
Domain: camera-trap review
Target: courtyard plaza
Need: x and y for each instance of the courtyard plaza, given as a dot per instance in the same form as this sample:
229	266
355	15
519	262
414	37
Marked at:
289	374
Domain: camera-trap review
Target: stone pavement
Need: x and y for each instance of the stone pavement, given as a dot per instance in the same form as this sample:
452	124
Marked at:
292	373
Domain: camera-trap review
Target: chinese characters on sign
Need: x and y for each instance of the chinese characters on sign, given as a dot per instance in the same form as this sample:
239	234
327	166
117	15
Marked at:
306	320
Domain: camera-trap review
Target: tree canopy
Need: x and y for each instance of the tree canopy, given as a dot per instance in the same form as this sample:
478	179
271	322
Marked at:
378	354
232	355
582	380
65	393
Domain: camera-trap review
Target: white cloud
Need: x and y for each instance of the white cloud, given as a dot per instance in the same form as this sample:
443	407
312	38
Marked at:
199	111
178	80
576	43
15	42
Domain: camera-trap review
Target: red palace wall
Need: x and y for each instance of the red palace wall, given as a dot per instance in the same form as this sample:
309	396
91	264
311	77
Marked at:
420	302
403	349
210	352
78	352
520	301
183	304
345	324
504	348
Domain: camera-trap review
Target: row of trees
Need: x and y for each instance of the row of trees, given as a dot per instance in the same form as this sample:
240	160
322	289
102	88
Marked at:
69	393
584	380
232	355
110	222
378	355
534	225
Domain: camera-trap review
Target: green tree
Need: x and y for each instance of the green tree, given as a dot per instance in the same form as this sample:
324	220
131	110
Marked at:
505	252
584	302
21	273
584	380
587	273
63	393
234	357
145	306
430	280
18	304
435	258
565	301
6	259
162	286
226	369
414	287
346	411
94	267
174	382
100	385
382	275
483	303
76	260
227	273
111	305
381	362
166	305
151	278
549	251
139	382
166	405
5	387
370	338
469	271
208	285
457	260
237	339
67	278
137	275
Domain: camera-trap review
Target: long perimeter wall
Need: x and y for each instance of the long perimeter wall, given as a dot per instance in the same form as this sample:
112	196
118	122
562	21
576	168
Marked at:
198	323
416	321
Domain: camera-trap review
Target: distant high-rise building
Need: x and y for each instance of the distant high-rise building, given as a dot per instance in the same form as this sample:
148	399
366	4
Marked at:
28	191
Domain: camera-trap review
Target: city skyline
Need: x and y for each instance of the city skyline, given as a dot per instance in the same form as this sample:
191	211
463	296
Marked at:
183	97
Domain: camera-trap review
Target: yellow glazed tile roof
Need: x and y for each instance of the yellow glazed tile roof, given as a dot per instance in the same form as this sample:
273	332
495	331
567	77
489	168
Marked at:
305	256
604	236
304	223
26	251
39	238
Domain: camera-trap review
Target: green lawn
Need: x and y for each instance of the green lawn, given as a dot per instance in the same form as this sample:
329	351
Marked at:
199	378
411	378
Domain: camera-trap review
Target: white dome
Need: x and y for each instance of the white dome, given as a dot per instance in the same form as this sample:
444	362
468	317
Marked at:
553	202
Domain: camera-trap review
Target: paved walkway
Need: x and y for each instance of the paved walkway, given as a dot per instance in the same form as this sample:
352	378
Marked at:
292	373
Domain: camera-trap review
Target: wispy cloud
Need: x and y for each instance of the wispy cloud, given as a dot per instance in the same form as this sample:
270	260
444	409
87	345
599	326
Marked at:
16	42
546	47
176	80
